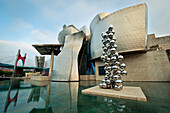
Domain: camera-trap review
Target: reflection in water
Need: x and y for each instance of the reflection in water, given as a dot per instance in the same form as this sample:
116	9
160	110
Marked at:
64	96
34	95
9	100
116	105
56	96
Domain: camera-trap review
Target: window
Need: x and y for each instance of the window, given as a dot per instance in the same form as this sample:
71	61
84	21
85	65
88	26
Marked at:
168	53
101	70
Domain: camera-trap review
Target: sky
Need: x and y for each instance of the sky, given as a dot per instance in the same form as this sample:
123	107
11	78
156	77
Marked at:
27	22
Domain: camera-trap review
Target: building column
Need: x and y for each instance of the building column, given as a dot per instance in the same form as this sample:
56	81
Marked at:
51	62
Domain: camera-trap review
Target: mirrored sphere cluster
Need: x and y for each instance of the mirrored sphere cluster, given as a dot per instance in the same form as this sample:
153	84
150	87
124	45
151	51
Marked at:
116	105
114	68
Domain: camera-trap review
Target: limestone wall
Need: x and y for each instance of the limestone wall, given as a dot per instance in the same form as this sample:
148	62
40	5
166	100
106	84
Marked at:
153	65
150	66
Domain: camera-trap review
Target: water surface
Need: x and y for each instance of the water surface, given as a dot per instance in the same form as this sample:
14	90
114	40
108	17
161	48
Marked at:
66	97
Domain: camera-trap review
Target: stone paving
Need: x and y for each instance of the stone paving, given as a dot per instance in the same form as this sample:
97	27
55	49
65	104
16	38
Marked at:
128	92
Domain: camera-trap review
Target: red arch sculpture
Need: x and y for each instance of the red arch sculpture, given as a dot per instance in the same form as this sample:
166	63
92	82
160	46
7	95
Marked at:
20	57
9	100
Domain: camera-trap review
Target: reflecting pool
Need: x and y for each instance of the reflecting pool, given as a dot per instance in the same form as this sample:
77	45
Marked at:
66	97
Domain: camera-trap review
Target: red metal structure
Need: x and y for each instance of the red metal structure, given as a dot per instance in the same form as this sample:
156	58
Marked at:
14	99
9	100
20	57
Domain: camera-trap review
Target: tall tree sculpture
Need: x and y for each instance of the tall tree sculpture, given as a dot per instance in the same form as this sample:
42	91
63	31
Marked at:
112	61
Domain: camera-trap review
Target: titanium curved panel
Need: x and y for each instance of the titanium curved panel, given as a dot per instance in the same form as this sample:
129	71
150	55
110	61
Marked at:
130	25
66	63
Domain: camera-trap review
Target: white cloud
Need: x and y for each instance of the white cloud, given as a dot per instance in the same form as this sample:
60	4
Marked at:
10	48
81	12
44	36
20	25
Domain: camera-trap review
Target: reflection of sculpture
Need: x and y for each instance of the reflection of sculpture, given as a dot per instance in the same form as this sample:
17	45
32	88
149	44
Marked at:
9	100
112	60
116	105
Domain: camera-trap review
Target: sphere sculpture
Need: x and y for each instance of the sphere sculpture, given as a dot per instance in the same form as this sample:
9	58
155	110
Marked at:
114	69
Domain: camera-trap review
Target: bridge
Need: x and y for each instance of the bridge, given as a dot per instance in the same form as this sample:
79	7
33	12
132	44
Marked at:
20	67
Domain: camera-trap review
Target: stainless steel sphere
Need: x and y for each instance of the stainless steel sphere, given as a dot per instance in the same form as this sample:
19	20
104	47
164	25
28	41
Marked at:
108	45
104	53
108	82
112	42
108	86
110	28
114	38
113	31
108	40
100	85
104	35
106	64
107	73
109	54
115	46
122	66
109	68
104	41
103	46
115	67
113	58
105	49
103	80
107	32
106	77
102	57
108	59
105	56
117	63
105	68
113	50
116	54
111	76
111	35
118	72
118	82
118	88
116	77
124	73
120	57
104	85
